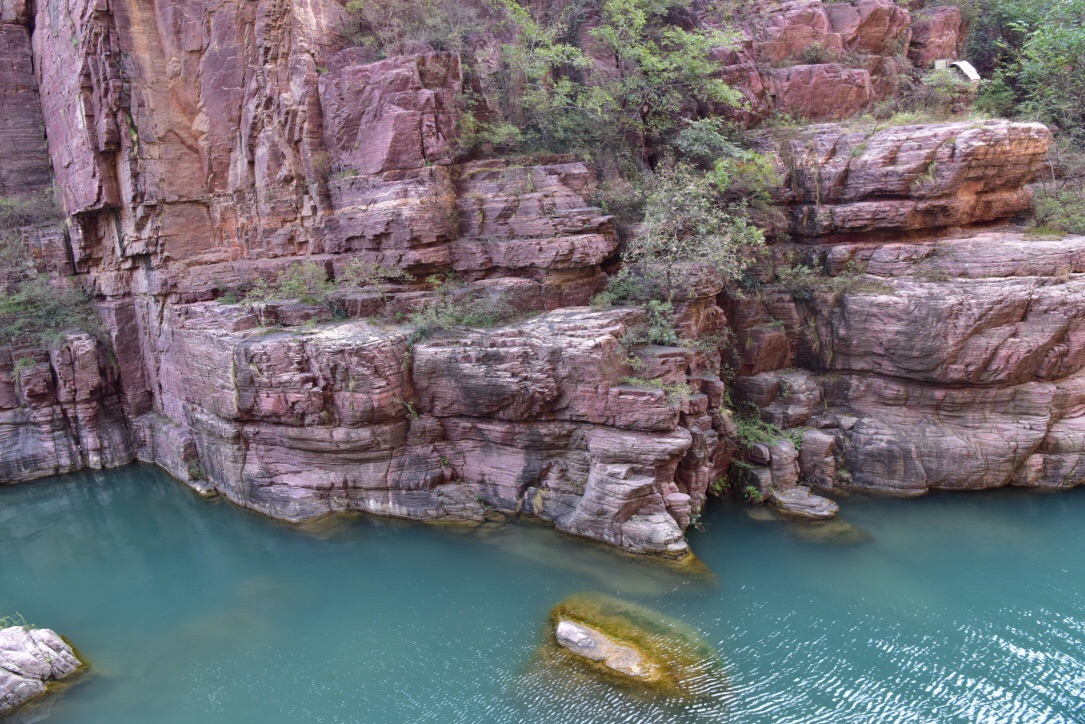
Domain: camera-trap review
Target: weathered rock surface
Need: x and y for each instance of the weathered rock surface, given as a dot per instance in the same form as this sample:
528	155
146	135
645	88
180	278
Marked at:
24	157
962	370
828	91
598	647
937	34
30	660
910	178
823	61
799	502
529	418
60	412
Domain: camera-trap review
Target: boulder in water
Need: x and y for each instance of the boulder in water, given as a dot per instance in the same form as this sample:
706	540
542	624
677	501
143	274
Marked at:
30	660
834	532
631	645
799	502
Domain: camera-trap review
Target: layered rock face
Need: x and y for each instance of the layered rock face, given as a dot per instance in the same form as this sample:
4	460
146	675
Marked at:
828	61
60	412
201	147
529	418
909	178
960	369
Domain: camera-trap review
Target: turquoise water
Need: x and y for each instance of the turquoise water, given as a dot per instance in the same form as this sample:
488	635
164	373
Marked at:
965	607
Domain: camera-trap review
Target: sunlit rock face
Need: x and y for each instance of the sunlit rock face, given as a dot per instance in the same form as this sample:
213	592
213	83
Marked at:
200	147
915	178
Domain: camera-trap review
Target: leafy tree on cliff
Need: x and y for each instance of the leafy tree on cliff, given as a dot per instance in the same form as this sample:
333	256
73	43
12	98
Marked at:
646	76
1033	52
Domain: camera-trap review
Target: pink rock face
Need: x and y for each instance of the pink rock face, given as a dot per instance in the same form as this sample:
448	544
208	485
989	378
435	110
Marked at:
963	370
937	34
879	27
24	158
828	92
911	177
397	114
528	418
61	413
785	29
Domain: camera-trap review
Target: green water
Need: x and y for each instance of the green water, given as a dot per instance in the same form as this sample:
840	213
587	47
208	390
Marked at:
958	608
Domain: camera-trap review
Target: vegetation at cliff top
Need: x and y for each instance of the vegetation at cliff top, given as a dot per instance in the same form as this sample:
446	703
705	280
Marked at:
447	310
549	93
623	84
451	306
1033	54
33	307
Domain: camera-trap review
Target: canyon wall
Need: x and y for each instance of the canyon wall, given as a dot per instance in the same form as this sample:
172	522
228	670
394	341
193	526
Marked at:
199	147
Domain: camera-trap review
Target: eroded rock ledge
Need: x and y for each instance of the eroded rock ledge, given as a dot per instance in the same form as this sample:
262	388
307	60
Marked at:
529	418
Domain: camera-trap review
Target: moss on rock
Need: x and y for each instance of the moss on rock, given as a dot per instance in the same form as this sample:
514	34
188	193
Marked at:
631	646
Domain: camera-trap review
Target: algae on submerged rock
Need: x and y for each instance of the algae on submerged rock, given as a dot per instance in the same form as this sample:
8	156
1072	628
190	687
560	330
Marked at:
631	645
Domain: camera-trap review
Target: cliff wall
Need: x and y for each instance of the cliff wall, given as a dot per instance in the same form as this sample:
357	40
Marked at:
200	147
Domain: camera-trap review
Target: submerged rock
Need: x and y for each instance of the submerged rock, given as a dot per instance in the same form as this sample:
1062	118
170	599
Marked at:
631	645
760	514
30	660
610	570
799	502
837	532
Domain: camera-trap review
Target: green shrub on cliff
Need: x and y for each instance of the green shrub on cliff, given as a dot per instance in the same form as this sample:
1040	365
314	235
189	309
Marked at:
1060	211
34	307
392	27
636	92
1033	54
739	174
305	281
688	227
30	211
37	309
308	282
686	221
646	73
453	307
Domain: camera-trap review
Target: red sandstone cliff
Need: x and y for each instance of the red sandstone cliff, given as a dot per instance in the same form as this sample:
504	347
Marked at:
200	146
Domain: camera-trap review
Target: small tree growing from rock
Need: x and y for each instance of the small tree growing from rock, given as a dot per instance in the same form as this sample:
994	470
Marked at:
686	222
